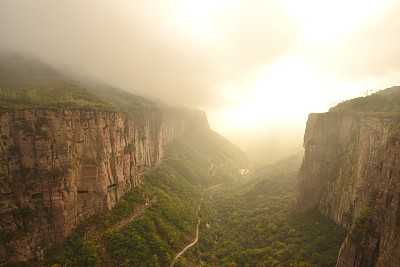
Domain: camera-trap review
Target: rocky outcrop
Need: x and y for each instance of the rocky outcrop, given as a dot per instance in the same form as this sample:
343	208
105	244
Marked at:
59	167
351	172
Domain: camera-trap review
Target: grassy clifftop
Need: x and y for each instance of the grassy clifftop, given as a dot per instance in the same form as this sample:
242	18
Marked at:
385	101
28	83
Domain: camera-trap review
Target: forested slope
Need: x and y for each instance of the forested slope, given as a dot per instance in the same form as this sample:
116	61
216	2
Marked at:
160	214
248	223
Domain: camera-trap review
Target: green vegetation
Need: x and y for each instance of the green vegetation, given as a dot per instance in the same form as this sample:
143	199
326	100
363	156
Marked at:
384	102
124	208
125	101
244	222
76	253
248	224
26	218
28	83
152	239
362	227
205	157
148	240
167	223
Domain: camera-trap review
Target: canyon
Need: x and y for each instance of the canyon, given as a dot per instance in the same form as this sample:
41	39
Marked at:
70	150
59	167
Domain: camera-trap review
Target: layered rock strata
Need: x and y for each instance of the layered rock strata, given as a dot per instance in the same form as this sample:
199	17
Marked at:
59	167
351	172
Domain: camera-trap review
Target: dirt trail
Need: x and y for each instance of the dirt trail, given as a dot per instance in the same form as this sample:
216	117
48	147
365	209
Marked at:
210	173
95	234
138	212
209	170
197	227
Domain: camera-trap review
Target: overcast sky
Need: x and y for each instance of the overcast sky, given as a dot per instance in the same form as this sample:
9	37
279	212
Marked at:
247	63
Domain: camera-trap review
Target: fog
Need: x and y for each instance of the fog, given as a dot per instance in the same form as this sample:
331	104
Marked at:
257	67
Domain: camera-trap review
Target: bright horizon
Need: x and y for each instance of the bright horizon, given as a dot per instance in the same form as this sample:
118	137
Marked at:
298	87
256	67
286	109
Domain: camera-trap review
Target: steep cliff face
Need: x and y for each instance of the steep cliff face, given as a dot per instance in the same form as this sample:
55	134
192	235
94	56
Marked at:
351	171
59	167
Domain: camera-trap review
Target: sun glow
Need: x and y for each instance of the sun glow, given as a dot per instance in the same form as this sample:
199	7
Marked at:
199	17
326	21
273	94
284	94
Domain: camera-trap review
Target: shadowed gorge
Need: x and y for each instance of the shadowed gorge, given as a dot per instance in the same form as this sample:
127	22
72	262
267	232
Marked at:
61	166
188	133
158	218
125	182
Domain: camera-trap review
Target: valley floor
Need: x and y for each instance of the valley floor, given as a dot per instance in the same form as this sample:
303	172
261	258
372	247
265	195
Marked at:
188	213
248	223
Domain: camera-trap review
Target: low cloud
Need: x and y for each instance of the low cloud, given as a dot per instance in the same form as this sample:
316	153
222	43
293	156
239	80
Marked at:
169	51
237	59
369	52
